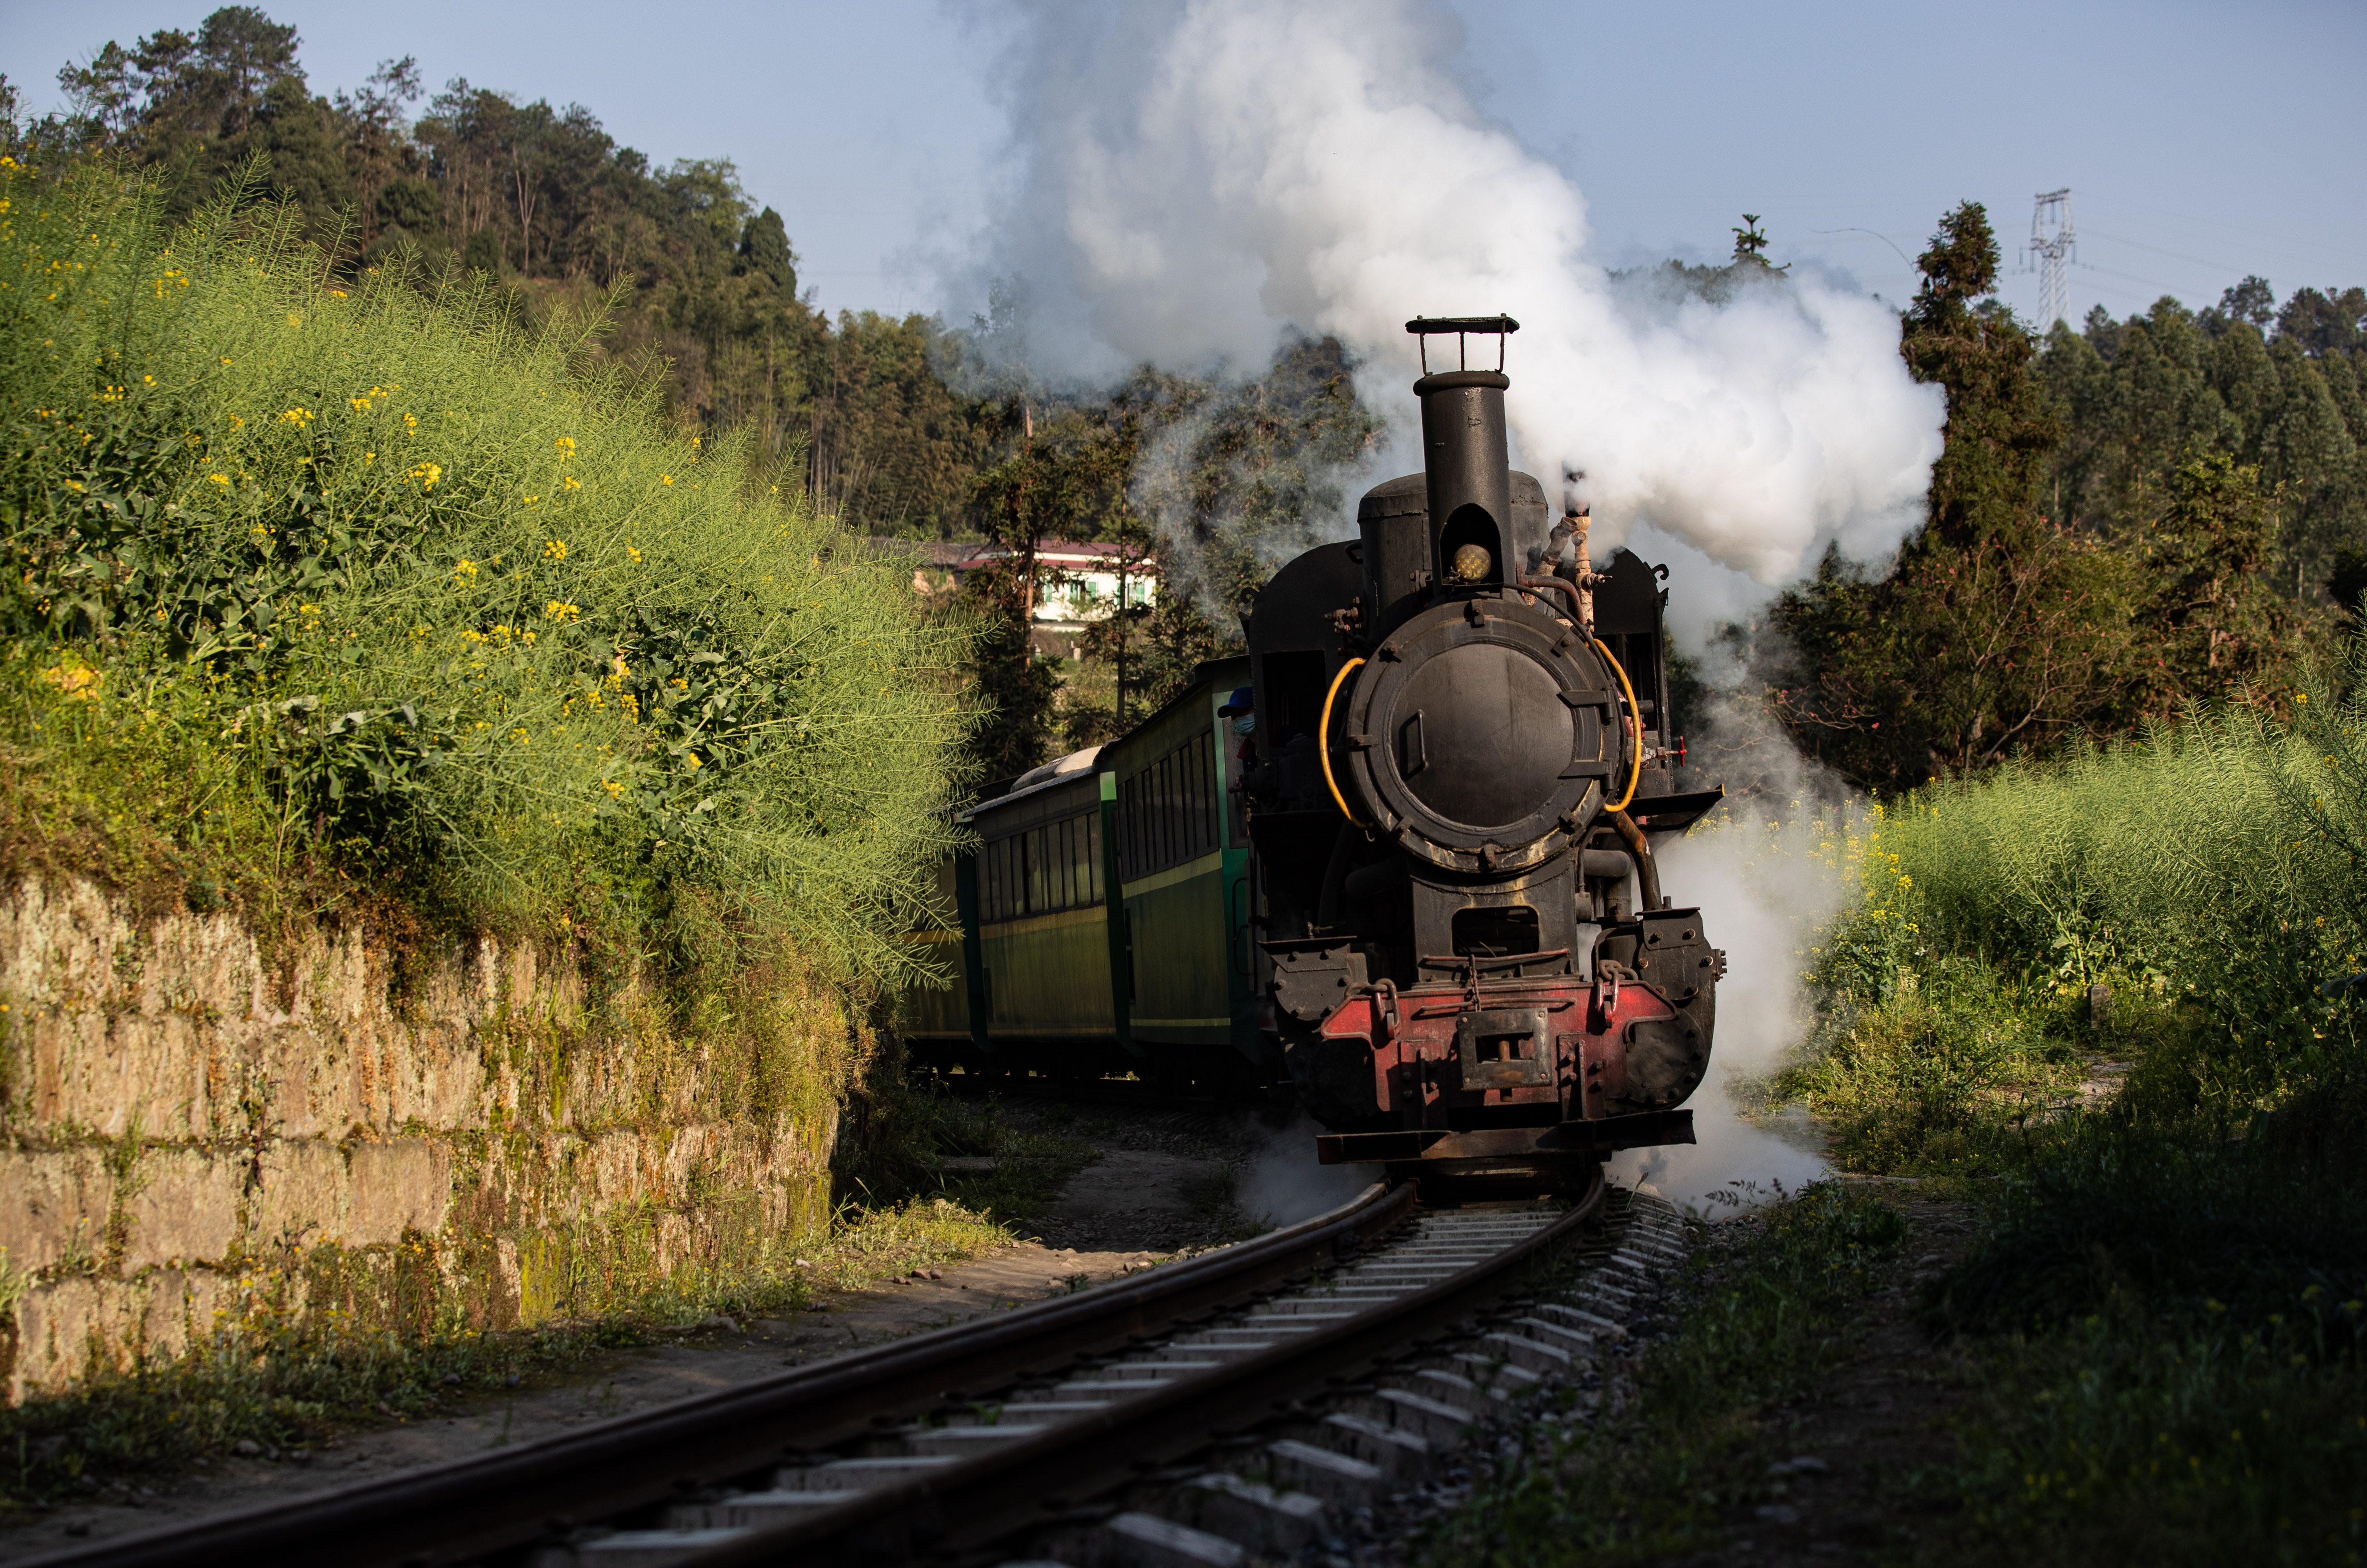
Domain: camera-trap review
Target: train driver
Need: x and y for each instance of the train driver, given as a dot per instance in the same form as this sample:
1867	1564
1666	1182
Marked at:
1241	709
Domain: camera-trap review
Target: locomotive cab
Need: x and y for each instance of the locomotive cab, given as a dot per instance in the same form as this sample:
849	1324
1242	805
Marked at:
1473	968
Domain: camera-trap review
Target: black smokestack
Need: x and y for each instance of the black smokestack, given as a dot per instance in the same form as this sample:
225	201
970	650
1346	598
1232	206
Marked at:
1464	456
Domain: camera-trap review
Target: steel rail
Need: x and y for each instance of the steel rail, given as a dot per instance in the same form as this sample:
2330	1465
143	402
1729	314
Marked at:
967	1507
467	1508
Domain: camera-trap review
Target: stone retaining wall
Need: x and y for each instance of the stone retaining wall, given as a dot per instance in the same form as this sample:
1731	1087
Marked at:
203	1139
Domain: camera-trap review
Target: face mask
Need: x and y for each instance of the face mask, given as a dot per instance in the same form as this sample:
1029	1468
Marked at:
1245	724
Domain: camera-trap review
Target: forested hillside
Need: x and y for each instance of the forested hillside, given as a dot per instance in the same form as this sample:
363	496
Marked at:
699	274
2126	520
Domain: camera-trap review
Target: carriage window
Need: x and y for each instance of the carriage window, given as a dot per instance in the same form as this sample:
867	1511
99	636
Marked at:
1168	813
1171	844
1204	795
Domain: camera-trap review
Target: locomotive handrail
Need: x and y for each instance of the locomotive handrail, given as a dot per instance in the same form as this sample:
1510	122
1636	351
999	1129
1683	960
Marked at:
1494	961
1323	742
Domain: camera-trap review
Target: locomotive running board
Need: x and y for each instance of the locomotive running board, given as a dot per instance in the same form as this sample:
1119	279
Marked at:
1574	1139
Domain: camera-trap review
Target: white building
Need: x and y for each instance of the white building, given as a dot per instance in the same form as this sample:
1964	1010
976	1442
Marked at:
1077	584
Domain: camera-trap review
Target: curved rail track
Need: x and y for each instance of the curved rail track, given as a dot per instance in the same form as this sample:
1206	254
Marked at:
1216	1411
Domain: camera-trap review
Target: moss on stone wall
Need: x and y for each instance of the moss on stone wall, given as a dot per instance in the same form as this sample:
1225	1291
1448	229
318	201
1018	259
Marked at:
348	1140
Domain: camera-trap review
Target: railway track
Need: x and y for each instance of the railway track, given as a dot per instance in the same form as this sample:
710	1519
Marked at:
1233	1408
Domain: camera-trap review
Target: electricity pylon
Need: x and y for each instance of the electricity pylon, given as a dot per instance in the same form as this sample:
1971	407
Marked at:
2054	246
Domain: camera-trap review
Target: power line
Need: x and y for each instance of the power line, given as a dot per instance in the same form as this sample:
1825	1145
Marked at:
1884	238
2180	255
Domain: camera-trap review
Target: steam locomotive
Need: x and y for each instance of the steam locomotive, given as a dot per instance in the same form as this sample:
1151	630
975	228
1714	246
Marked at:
1398	856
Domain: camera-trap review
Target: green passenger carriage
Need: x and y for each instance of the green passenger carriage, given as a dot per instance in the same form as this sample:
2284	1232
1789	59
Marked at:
1104	923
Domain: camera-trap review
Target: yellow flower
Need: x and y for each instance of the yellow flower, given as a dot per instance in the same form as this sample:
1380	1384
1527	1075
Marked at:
560	610
555	550
299	418
570	483
467	569
222	480
337	293
79	682
635	553
361	405
427	474
666	478
566	445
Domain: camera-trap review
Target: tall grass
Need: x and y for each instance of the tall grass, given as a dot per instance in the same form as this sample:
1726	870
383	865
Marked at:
2213	876
415	599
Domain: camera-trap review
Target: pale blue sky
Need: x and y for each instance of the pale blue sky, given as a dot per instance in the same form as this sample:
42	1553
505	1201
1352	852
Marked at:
2201	143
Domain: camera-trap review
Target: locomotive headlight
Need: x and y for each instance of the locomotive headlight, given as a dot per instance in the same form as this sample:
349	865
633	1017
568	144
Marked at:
1470	564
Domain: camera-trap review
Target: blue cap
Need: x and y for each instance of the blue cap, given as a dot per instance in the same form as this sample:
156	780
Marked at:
1243	700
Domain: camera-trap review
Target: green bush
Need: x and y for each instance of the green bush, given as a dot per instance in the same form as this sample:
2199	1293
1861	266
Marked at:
2223	862
2212	876
365	578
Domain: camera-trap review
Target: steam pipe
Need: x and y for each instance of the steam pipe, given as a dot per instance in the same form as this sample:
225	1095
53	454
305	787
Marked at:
1553	585
1648	878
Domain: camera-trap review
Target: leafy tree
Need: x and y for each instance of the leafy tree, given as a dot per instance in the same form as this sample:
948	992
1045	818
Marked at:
2109	527
2251	300
1751	247
2211	621
2278	392
1066	480
102	94
1996	630
765	249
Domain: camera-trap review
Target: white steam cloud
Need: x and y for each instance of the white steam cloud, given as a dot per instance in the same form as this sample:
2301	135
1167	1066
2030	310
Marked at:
1768	886
1195	177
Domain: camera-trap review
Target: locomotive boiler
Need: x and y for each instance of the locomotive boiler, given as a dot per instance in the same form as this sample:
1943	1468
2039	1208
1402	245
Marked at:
1463	757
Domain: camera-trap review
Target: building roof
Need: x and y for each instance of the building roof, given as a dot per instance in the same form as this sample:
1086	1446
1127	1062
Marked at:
969	555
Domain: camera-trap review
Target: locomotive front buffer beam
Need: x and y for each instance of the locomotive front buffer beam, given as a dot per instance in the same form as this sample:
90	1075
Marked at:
1577	1070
